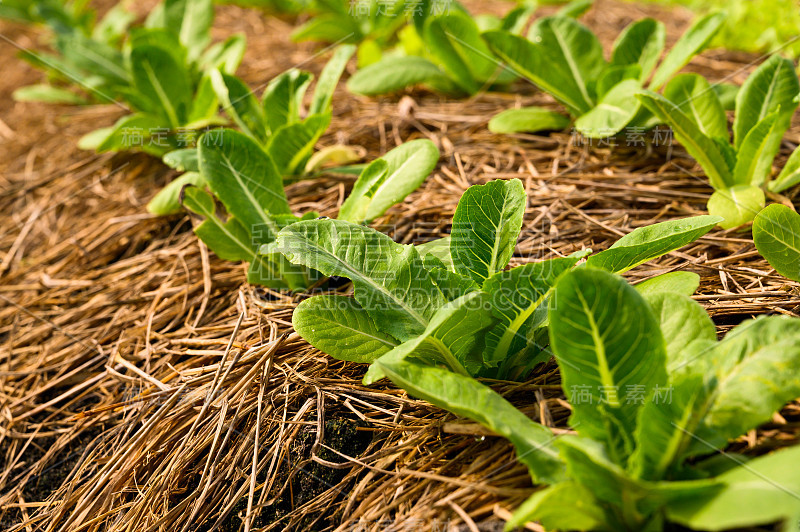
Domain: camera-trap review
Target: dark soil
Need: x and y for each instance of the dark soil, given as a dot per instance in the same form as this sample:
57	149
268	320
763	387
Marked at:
309	479
40	486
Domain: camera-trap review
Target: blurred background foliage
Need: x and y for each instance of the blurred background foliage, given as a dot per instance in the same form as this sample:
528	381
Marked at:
760	26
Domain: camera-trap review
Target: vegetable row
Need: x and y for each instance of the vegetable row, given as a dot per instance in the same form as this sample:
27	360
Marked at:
174	83
655	396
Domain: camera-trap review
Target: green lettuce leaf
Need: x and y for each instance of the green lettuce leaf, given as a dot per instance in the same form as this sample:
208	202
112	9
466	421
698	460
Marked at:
486	225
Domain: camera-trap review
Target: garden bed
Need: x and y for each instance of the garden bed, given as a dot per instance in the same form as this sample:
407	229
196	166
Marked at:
116	325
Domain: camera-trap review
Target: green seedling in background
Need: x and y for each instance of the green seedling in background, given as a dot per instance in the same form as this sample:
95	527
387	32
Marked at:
565	59
737	171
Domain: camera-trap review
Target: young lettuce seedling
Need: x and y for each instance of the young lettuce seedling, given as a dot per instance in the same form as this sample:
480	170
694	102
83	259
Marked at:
163	78
244	178
159	71
86	53
655	400
276	123
565	59
57	14
737	172
443	51
371	24
451	302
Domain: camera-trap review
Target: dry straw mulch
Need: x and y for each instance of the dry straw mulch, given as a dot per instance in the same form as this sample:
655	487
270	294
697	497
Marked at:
145	386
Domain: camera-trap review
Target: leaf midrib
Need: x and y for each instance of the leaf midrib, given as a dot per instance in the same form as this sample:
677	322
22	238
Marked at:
762	113
605	372
162	96
516	323
375	286
697	116
748	168
447	355
717	181
573	67
261	211
357	331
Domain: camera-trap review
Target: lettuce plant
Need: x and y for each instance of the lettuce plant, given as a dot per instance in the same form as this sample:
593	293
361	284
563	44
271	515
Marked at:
444	52
565	59
85	51
775	234
451	302
163	77
244	178
756	26
277	122
375	24
157	70
57	14
372	22
737	171
655	398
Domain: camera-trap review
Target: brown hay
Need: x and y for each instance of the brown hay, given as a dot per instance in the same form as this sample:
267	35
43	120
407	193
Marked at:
145	386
